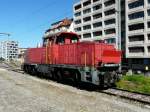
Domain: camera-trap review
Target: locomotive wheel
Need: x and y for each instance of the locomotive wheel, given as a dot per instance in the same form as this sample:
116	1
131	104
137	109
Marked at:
101	81
76	78
25	68
33	70
58	76
107	79
28	69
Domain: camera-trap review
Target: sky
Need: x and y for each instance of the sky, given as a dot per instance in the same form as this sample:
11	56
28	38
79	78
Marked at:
27	20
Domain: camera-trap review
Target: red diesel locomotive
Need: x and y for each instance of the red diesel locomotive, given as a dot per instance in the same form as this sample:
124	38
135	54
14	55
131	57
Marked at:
62	56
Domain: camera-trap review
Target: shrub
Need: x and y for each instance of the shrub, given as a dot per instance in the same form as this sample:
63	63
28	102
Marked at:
136	83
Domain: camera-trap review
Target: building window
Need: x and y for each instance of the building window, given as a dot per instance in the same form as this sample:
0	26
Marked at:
99	6
87	3
148	36
148	48
110	2
110	31
136	49
111	40
86	11
78	21
97	33
77	14
96	16
77	7
148	11
86	19
78	29
110	12
136	27
99	24
87	35
110	21
95	1
148	24
135	4
86	27
136	15
136	38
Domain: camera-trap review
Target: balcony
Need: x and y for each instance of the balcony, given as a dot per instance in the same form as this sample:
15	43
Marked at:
148	6
86	31
135	21
97	17
97	20
109	7
106	36
87	28
134	55
78	17
77	25
130	1
94	3
77	7
110	16
135	43
148	14
106	0
148	30
97	28
86	23
137	9
86	15
97	11
97	37
86	7
110	26
86	39
136	32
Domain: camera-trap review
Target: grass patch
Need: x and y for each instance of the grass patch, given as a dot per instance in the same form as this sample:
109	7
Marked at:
135	83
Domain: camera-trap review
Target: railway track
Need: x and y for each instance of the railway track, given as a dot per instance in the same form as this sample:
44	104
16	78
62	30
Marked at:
10	68
133	96
125	94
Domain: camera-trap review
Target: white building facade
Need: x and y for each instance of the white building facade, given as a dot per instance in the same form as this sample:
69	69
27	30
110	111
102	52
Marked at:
138	33
97	20
138	28
9	50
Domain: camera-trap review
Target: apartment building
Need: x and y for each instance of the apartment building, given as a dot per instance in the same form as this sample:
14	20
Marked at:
98	20
9	50
138	32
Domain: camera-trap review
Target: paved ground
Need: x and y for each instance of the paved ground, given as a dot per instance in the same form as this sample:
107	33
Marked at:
24	93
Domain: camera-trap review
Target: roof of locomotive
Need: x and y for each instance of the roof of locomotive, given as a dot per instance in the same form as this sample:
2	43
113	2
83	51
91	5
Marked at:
69	34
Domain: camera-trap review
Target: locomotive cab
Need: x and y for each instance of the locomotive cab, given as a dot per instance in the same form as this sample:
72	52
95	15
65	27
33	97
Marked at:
61	39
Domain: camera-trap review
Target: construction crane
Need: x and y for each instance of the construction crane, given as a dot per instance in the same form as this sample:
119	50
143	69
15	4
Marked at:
8	34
